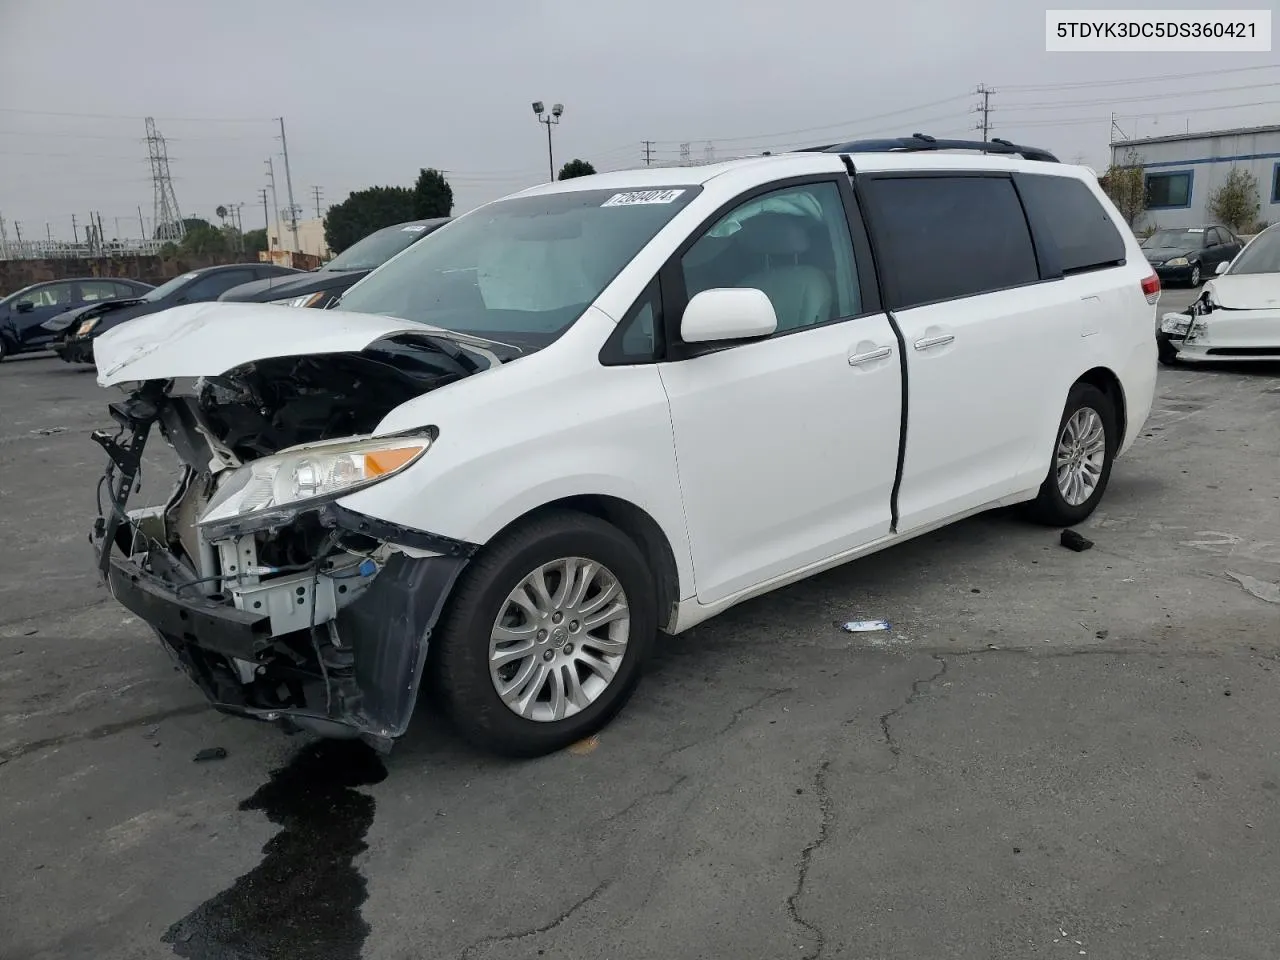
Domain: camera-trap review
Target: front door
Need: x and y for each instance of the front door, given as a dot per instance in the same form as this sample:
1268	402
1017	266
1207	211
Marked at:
787	447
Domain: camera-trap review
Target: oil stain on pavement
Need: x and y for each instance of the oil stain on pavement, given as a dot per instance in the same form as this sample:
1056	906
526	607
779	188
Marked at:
302	902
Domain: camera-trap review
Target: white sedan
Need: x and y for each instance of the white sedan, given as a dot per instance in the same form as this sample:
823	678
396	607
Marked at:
1237	317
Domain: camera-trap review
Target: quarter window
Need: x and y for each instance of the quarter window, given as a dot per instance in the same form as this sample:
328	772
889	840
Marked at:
1076	221
1165	190
942	238
792	244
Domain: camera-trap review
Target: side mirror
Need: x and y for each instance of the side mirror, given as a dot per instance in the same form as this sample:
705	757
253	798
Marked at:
1223	267
24	306
728	313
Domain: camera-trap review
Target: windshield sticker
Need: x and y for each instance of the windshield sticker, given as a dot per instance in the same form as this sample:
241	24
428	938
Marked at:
642	196
1195	230
414	228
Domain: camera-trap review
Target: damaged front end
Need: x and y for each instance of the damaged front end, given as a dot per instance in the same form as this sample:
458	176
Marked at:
277	601
1210	329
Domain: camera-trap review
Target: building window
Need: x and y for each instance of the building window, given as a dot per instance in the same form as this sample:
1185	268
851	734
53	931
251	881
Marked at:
1275	183
1166	190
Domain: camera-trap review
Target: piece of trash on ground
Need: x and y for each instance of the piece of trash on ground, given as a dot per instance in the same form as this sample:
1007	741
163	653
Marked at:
210	753
864	626
1075	541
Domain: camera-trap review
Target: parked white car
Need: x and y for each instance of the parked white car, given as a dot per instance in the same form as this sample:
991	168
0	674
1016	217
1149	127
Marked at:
1237	316
611	407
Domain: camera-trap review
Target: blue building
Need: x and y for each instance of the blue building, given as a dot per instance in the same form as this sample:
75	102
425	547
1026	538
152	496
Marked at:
1183	170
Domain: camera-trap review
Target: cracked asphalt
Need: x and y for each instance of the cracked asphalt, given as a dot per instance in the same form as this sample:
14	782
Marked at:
1050	754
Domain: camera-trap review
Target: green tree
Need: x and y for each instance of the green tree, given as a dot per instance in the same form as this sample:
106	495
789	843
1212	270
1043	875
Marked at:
255	241
576	168
1235	203
203	237
365	211
432	195
1125	184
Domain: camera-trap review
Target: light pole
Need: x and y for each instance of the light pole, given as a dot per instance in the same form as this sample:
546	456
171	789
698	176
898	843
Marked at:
548	118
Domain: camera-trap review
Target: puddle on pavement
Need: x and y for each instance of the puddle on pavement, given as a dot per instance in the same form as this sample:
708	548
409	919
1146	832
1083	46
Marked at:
302	902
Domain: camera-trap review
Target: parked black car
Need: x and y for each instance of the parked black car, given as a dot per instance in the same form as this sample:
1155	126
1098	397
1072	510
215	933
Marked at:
1188	254
322	287
23	314
82	325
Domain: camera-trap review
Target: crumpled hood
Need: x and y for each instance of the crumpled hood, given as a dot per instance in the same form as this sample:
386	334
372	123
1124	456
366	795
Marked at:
1259	291
208	339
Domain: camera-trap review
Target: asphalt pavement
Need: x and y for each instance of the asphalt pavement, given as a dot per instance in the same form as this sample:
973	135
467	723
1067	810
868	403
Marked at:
1050	754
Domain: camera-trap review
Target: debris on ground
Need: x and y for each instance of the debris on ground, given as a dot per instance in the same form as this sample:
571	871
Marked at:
47	431
864	626
210	753
1262	589
1075	541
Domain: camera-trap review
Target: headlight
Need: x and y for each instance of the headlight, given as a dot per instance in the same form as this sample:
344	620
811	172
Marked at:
1175	324
318	472
1176	262
86	327
307	300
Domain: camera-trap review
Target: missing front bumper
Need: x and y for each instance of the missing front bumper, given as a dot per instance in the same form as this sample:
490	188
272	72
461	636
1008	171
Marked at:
349	668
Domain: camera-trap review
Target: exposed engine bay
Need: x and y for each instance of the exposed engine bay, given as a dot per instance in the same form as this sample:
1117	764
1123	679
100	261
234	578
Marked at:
304	612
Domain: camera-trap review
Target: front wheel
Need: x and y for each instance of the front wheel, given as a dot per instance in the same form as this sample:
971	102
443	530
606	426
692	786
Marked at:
4	349
545	639
1167	352
1086	444
1195	275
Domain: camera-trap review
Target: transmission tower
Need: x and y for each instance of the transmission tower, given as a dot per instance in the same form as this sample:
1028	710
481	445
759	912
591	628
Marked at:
709	153
684	155
167	217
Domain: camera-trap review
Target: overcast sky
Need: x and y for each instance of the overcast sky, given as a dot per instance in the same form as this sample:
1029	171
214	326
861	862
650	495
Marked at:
372	91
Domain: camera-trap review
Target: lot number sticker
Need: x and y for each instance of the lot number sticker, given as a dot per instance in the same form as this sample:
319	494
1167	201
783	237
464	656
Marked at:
642	196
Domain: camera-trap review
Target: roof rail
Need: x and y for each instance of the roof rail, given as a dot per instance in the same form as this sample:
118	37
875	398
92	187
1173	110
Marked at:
921	141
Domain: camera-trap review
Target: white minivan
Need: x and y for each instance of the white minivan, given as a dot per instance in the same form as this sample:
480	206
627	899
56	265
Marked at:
611	407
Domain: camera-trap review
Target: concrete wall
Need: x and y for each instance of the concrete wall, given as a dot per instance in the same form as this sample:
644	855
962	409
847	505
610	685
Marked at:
16	274
1207	161
310	238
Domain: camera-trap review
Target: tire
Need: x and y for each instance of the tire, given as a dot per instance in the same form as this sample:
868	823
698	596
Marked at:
5	350
463	678
1167	352
1195	275
1051	507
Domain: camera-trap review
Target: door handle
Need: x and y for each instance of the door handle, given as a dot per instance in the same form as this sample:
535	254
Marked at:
877	354
927	342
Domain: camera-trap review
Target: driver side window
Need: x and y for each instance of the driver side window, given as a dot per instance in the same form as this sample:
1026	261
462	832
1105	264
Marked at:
793	244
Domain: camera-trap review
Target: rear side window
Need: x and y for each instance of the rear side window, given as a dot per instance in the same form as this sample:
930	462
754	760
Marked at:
1087	238
942	238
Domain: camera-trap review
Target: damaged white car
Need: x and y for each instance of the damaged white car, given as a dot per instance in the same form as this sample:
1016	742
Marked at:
609	407
1237	316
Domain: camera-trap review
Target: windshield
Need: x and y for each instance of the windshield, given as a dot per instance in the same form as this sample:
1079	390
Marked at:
1190	237
377	248
166	288
519	270
1261	256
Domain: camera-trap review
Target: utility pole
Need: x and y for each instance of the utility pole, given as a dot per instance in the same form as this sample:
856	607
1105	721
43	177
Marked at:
288	182
4	241
117	236
142	227
648	152
984	108
266	218
100	232
275	200
17	228
48	232
75	232
315	193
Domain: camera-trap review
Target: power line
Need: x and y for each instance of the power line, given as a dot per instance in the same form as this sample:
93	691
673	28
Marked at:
1140	97
1071	84
1043	122
126	116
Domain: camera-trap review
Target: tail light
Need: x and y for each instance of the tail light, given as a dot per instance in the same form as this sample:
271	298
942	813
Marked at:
1151	288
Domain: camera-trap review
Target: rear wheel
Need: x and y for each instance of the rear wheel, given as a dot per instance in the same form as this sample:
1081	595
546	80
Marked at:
1082	456
4	349
546	637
